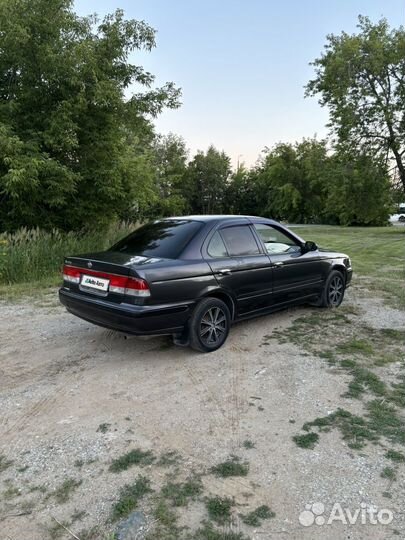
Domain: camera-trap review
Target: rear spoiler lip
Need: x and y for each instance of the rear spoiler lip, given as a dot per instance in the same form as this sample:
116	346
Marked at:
82	263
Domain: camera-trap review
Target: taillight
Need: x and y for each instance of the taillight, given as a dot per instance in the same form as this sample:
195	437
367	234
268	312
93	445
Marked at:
71	274
131	286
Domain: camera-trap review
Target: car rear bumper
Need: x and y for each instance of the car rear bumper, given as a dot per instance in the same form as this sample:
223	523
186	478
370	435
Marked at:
128	318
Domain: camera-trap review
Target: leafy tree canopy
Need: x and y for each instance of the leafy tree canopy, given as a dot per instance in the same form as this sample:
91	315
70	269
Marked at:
361	78
75	115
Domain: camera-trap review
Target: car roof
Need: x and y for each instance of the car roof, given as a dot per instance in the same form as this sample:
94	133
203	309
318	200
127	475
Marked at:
211	217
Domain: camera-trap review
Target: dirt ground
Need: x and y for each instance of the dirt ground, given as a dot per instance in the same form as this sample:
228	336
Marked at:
62	378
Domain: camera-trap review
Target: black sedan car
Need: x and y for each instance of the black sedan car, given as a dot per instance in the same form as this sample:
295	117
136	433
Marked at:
193	276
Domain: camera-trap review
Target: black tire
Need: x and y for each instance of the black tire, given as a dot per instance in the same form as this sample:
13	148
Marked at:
209	325
334	290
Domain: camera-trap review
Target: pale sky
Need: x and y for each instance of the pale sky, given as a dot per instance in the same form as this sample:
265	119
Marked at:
242	65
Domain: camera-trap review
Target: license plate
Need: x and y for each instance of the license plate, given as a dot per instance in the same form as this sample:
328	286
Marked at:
92	282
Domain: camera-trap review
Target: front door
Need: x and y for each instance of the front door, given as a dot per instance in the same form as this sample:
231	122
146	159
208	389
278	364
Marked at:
296	274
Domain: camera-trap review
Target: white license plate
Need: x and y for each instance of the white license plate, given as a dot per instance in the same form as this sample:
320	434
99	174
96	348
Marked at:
92	282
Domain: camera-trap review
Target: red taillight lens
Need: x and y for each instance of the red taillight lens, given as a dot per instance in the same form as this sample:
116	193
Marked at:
71	274
118	284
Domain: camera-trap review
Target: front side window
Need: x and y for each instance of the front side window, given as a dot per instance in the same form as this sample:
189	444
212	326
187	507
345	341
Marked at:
276	241
239	241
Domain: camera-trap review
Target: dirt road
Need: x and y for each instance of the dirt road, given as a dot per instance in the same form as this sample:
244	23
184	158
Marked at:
74	396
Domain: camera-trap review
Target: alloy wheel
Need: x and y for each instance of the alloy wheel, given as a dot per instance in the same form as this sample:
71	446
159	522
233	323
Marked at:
213	326
335	291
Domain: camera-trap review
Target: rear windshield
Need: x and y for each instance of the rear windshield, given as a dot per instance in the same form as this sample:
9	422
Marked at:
163	239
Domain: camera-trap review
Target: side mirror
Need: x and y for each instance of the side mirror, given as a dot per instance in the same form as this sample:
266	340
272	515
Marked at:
309	246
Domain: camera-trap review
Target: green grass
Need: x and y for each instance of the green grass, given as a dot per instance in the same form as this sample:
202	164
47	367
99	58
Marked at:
64	491
231	467
248	444
395	456
219	509
5	463
209	532
33	258
255	518
308	440
377	254
134	457
180	493
129	497
389	473
103	428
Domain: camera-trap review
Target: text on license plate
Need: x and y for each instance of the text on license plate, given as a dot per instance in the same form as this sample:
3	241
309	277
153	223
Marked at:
95	283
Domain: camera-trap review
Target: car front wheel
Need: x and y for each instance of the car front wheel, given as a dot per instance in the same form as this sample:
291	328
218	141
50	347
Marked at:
209	325
334	290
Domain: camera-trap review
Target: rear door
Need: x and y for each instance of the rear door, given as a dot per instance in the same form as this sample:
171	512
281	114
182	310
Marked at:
240	265
296	274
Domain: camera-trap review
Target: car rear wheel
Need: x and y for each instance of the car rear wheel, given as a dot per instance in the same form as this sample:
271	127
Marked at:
209	325
334	290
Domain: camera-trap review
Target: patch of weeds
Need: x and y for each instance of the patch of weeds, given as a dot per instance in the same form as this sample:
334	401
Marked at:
355	346
397	395
180	493
11	492
5	463
255	518
388	473
329	356
306	441
103	428
392	333
208	532
166	527
23	469
387	494
219	509
79	463
63	492
231	467
168	459
248	444
56	530
41	489
381	421
78	515
393	455
363	379
129	497
134	457
291	421
384	421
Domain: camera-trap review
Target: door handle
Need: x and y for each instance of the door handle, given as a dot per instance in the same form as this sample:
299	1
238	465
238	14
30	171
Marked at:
278	264
224	272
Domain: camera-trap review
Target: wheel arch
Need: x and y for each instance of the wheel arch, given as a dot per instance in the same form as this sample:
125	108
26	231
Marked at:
223	295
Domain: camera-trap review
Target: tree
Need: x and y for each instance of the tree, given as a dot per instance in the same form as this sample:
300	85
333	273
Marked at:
170	155
358	190
72	145
291	181
361	78
206	181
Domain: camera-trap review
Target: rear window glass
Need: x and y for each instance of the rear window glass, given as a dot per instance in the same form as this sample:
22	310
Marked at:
165	239
239	240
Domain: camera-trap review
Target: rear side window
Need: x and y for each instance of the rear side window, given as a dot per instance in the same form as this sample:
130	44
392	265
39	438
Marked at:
216	247
239	241
165	239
